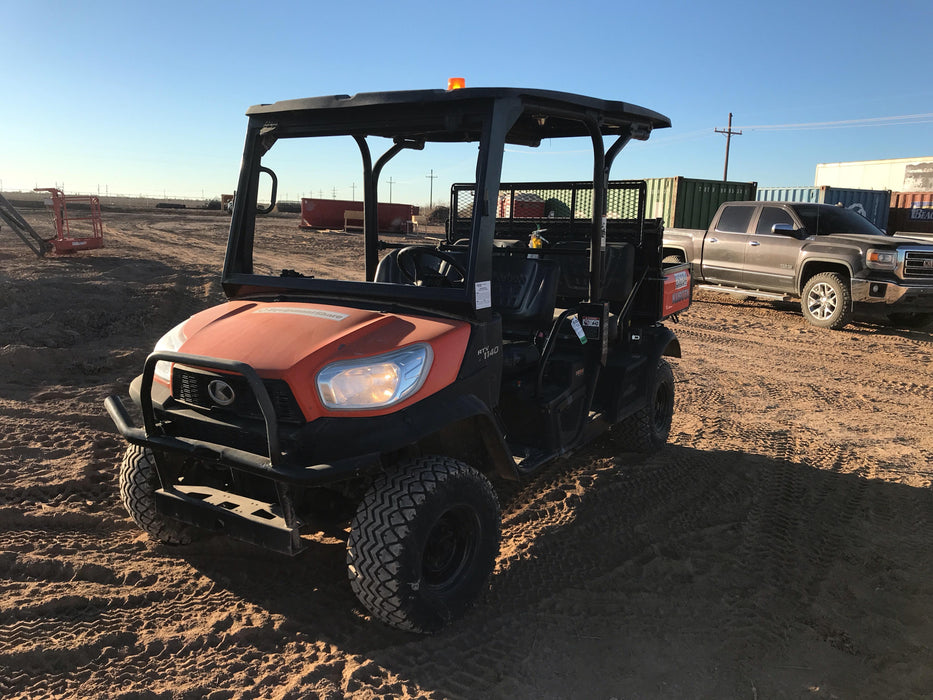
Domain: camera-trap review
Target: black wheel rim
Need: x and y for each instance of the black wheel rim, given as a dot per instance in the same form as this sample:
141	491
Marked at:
449	547
663	407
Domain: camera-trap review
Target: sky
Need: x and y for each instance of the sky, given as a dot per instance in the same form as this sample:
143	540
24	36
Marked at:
149	98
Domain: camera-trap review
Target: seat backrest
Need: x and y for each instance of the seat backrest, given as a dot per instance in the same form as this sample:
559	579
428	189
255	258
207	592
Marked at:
524	291
574	284
387	269
574	262
620	272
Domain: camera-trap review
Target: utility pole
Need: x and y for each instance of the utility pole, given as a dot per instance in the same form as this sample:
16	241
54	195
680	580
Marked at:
729	134
432	177
390	189
353	196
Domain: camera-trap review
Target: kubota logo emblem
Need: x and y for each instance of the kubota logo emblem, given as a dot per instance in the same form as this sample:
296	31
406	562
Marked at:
220	392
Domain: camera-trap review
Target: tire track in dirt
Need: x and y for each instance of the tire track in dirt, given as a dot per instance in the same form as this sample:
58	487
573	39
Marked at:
616	496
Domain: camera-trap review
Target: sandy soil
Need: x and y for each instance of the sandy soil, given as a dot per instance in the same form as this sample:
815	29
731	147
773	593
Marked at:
777	548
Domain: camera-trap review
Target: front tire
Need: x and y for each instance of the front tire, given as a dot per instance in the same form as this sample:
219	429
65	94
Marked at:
138	483
648	429
826	301
423	543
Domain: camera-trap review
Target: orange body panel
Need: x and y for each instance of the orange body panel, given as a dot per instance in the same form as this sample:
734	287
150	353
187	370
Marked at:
295	340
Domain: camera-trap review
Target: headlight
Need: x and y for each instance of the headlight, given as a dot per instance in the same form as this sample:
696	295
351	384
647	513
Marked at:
171	341
375	382
881	259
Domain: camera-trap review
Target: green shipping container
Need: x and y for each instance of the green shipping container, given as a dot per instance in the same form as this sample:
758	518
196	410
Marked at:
688	203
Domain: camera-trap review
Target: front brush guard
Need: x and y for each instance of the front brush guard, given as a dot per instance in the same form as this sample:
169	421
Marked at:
273	526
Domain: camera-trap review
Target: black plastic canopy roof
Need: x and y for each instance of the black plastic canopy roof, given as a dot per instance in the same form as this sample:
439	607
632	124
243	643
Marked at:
436	112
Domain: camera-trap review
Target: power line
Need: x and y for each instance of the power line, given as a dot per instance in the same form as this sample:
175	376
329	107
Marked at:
903	119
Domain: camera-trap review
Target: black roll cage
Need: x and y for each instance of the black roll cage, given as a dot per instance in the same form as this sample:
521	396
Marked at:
492	116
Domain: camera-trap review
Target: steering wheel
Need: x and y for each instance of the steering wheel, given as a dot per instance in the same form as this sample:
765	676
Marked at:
411	263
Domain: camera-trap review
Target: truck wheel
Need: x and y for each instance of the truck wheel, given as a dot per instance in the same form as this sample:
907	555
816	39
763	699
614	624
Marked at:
826	301
138	483
648	429
423	543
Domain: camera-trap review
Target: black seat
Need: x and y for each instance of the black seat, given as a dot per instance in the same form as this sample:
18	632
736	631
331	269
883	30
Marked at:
524	292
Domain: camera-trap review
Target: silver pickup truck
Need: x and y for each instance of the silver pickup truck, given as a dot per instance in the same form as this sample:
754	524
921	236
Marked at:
837	262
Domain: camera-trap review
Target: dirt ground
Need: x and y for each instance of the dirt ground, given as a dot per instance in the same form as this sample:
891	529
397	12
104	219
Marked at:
777	548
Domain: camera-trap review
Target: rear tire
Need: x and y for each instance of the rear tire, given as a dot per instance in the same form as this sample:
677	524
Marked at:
138	483
648	429
423	543
826	301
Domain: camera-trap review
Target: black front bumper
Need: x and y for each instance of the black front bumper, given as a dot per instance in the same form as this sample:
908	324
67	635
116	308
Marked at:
281	466
274	526
285	468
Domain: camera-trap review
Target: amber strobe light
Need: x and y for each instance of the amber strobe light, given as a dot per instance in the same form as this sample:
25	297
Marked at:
456	83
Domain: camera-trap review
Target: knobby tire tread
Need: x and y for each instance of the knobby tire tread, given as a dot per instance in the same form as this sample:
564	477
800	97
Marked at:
382	524
137	488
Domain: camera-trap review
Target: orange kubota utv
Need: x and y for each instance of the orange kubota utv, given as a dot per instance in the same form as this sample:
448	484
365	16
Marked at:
390	398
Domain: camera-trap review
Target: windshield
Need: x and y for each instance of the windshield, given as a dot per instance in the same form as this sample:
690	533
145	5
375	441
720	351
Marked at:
316	227
821	219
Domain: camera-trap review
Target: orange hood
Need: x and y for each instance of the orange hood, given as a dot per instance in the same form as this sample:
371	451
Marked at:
295	340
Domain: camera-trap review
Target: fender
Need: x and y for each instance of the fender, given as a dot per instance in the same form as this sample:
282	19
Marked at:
823	264
674	250
629	389
665	343
452	419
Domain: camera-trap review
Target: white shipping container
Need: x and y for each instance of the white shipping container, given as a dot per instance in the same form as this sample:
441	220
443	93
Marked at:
896	174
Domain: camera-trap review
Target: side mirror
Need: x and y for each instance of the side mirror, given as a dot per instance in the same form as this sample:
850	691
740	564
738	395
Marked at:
787	229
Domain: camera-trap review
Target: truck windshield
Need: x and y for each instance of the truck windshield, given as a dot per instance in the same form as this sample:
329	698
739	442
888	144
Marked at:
821	220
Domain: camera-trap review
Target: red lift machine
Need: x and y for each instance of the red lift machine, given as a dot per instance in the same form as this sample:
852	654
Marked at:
78	227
